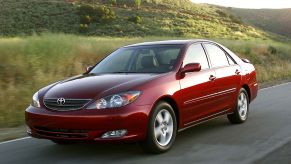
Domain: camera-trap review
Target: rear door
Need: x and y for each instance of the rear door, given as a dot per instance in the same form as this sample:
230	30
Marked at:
227	79
196	87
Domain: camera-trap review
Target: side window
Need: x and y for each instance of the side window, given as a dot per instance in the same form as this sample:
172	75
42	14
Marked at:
217	56
196	54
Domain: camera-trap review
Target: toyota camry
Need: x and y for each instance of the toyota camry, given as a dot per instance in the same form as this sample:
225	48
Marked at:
145	93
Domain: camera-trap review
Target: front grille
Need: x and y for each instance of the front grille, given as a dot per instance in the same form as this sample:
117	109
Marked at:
70	104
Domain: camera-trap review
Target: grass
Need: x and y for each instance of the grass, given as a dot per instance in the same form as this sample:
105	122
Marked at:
271	59
32	62
29	63
12	133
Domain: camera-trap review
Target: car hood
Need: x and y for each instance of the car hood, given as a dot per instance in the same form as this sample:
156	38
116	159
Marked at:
91	85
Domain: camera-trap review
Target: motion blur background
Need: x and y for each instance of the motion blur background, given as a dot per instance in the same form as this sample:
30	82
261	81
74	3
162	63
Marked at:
43	41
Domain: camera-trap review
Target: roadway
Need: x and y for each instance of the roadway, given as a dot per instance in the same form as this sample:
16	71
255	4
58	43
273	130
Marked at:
264	138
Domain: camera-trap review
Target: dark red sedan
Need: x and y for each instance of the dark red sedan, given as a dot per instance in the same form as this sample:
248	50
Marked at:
145	92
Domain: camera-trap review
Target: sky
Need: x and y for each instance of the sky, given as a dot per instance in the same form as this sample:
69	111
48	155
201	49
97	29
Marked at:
254	4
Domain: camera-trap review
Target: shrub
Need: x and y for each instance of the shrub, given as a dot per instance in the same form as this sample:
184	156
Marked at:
86	10
272	50
137	3
221	13
85	19
100	14
235	19
130	3
83	28
113	2
135	19
104	14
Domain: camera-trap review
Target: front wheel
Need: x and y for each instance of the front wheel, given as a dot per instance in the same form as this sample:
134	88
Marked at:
162	129
241	111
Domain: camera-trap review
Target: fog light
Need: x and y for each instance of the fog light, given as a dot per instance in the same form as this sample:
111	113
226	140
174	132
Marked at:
28	130
114	134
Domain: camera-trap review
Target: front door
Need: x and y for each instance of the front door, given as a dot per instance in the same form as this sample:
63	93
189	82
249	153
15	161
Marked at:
197	87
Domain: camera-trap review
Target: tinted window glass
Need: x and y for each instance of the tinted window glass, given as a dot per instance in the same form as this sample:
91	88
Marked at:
143	54
140	59
217	56
196	54
168	56
118	63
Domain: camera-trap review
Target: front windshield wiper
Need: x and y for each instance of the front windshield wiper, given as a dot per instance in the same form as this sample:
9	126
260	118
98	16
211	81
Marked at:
127	72
130	72
121	72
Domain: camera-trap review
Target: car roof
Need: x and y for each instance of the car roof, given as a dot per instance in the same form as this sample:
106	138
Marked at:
169	42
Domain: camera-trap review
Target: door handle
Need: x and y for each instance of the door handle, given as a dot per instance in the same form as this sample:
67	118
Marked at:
212	77
237	72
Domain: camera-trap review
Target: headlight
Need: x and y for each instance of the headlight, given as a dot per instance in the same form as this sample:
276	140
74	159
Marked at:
115	101
35	100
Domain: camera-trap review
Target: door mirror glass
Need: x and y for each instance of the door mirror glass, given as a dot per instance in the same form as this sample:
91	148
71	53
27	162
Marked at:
245	60
191	67
89	68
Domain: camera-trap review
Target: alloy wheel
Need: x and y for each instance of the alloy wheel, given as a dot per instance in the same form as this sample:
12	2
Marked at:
243	106
163	130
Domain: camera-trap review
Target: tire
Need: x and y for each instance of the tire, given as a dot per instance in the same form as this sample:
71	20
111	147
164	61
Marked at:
162	129
241	111
63	142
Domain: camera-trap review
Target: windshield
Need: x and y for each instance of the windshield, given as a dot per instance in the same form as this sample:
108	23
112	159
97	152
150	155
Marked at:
140	59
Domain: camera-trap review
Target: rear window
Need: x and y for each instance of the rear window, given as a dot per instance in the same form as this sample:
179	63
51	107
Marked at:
217	56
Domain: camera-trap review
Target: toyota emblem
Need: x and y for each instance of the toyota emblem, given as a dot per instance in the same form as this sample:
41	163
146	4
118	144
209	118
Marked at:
61	101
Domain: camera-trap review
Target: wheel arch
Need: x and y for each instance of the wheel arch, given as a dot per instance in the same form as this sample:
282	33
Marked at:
173	103
247	88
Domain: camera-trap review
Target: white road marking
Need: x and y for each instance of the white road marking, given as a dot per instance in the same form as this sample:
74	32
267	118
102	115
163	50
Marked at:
275	86
24	138
19	139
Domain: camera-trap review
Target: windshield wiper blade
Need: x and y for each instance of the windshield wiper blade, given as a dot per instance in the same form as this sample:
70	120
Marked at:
130	72
127	72
119	72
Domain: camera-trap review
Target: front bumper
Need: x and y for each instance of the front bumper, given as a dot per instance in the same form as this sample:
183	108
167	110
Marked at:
88	125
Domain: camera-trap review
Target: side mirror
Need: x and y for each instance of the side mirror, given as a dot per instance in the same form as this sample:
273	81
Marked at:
191	67
89	68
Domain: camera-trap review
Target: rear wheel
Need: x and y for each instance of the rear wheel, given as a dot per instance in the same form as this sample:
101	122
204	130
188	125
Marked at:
241	111
162	129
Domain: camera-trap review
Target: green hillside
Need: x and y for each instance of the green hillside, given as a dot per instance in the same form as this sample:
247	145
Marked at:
122	18
273	20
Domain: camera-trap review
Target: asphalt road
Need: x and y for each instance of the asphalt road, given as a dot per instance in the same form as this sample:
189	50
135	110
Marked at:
264	138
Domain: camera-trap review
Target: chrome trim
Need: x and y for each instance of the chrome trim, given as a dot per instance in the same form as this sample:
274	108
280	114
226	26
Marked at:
65	98
204	119
65	110
210	96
